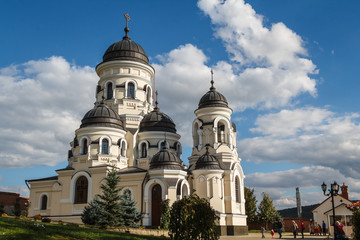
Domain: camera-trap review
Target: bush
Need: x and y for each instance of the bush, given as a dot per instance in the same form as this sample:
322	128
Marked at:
165	214
193	218
356	224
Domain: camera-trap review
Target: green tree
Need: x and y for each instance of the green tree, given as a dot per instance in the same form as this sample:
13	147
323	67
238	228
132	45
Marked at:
267	209
191	218
129	215
165	214
250	204
92	212
107	205
356	224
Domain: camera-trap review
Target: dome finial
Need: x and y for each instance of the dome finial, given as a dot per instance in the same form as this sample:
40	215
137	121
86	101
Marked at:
156	100
126	29
212	81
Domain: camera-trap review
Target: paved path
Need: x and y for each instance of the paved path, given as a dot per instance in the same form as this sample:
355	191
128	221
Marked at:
257	236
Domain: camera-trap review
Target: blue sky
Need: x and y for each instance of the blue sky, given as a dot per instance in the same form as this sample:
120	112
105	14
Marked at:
289	70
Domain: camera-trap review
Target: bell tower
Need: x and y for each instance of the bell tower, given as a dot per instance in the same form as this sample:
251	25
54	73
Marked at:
126	80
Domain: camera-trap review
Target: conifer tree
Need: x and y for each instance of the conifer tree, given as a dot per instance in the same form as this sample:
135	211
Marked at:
129	215
267	209
105	210
250	204
92	212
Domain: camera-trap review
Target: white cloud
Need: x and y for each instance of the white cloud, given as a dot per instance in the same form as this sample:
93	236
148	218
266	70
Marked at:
23	190
317	137
308	179
273	68
41	103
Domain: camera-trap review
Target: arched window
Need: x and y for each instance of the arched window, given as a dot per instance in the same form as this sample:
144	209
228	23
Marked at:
221	132
184	191
162	145
131	90
123	148
84	149
143	150
105	146
109	91
148	95
237	189
81	190
44	200
178	149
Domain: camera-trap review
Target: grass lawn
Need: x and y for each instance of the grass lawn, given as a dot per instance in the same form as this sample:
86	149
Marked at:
11	228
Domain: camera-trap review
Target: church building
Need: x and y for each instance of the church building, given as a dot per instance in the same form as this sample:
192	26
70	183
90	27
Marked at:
127	129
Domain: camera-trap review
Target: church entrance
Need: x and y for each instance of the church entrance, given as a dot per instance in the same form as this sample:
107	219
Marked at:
156	205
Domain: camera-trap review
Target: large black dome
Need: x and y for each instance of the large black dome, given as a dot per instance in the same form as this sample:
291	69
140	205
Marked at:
207	161
165	159
102	116
126	50
157	121
213	99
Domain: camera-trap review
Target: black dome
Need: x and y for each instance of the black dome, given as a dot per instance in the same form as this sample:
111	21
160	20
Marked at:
165	159
207	161
213	99
102	116
126	50
157	121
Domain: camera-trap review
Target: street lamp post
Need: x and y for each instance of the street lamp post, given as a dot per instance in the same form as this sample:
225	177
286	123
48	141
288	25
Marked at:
333	191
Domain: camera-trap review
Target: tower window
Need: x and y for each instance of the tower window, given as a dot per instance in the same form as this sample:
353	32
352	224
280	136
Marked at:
105	146
143	150
148	95
81	190
44	200
221	133
131	90
237	189
84	146
109	91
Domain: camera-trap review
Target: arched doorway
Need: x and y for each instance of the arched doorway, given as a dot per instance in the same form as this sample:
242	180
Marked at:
156	205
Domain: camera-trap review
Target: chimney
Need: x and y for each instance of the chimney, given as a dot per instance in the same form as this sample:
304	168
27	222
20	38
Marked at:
344	191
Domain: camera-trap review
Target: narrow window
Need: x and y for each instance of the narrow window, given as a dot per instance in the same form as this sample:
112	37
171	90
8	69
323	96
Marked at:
44	202
221	133
109	92
162	145
81	190
85	147
148	95
237	189
105	146
143	150
178	150
123	149
131	90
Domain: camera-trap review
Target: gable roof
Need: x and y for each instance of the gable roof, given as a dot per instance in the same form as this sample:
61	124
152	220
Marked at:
328	199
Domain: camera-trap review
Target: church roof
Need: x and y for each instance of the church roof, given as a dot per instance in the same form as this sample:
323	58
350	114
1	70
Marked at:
43	179
213	99
165	159
126	49
207	161
102	116
157	121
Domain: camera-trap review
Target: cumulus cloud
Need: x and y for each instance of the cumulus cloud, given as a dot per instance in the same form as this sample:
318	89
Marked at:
304	178
23	190
317	137
267	66
42	102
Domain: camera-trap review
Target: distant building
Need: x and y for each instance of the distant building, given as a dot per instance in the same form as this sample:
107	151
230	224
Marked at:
323	212
9	200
